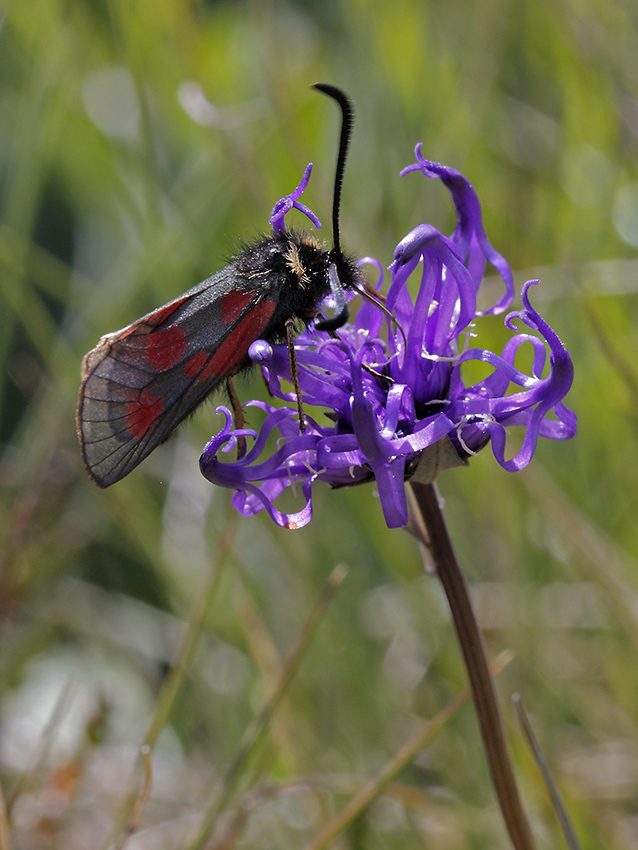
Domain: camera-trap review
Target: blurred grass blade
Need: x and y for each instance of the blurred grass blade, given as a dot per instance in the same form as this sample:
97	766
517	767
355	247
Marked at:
183	655
31	778
621	360
256	730
142	797
608	562
5	842
543	766
377	785
186	648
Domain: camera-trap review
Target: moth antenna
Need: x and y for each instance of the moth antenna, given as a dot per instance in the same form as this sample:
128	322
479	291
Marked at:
347	120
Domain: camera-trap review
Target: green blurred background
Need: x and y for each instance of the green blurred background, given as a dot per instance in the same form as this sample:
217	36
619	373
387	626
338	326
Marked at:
140	142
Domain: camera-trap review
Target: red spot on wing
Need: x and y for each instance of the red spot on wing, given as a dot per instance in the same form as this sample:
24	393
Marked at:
235	347
194	364
165	347
153	319
141	413
160	315
233	304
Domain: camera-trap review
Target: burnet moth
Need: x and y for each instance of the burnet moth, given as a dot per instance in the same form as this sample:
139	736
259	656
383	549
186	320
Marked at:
139	383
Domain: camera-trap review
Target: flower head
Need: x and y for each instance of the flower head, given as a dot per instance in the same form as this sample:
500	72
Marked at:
395	401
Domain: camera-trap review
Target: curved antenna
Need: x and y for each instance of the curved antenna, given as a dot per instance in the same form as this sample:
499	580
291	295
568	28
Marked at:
347	120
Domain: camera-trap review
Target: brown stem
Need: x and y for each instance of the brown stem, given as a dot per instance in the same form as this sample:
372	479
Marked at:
475	654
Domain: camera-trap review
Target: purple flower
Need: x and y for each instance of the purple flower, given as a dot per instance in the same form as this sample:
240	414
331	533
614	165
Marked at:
393	391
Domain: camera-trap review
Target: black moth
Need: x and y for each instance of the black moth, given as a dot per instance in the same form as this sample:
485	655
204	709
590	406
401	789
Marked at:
139	383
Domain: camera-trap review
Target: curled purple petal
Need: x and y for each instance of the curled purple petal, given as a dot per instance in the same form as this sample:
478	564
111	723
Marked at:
469	236
289	202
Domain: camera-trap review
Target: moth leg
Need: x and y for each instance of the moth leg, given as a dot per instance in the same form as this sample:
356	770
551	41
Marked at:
238	413
382	379
290	335
372	292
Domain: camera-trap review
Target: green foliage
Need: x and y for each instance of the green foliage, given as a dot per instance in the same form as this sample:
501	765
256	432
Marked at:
140	142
